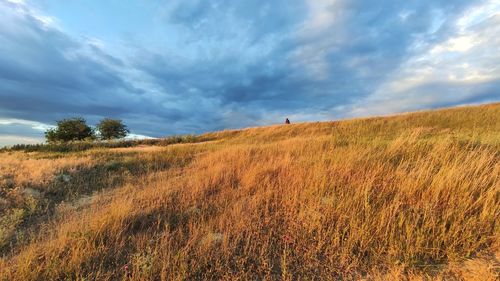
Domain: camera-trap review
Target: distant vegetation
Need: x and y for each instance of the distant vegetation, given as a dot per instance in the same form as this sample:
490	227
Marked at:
76	129
408	197
110	129
74	135
75	146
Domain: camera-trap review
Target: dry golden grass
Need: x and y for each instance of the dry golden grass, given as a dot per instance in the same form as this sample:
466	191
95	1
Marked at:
23	168
410	197
140	148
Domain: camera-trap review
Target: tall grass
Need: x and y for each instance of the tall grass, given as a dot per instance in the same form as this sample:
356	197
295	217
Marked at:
415	197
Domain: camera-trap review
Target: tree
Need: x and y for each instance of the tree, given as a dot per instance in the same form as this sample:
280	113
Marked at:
112	129
72	129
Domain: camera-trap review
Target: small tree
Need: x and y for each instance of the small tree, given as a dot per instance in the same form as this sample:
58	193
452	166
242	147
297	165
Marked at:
72	129
112	129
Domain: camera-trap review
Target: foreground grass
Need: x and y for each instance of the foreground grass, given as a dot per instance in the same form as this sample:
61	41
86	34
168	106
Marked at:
407	197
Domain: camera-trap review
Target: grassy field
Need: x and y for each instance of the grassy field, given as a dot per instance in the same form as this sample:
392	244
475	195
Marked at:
407	197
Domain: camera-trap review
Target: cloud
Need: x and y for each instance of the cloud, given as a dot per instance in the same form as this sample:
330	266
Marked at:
9	140
46	74
246	63
336	54
14	131
461	68
32	124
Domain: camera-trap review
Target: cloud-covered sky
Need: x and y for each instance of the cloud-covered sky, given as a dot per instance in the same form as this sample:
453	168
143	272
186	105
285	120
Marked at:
190	66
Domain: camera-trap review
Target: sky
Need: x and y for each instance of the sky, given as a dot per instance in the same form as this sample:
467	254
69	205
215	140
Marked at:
192	66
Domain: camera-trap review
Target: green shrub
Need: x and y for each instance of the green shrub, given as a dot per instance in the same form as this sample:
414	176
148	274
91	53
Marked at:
73	129
112	129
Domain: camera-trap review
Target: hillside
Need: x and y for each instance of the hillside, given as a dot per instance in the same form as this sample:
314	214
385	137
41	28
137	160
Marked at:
413	196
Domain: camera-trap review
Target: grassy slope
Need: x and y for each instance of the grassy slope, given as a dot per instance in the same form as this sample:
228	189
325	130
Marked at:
409	196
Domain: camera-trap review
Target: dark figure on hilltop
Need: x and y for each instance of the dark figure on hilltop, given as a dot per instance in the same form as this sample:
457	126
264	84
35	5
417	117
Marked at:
287	121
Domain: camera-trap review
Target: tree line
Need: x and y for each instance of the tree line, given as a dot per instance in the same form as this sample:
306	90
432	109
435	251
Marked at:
76	129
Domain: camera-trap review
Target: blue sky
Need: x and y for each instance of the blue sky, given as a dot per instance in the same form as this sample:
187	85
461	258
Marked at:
190	66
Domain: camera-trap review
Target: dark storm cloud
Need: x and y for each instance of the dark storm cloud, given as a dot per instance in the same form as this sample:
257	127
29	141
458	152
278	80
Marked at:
46	75
356	52
243	63
41	69
217	18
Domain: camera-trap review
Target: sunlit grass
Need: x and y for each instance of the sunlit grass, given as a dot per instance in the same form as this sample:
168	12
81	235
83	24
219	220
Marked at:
415	196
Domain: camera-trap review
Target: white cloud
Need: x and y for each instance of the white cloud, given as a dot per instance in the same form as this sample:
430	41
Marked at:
8	140
457	44
477	14
137	137
456	69
320	16
23	8
19	2
33	124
